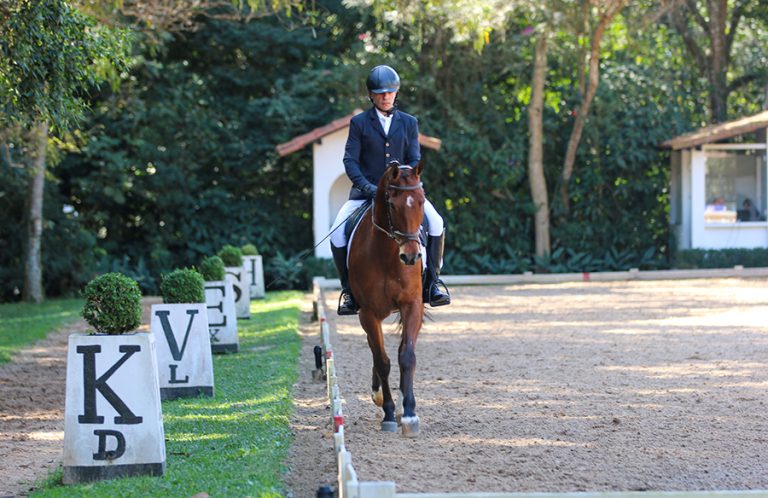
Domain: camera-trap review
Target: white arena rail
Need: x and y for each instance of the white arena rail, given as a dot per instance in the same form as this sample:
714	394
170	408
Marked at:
348	484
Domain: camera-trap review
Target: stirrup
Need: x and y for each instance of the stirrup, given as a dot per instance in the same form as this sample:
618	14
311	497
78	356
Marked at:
347	306
442	298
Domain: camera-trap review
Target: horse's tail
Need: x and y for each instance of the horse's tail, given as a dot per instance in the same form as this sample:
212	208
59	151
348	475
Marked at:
427	316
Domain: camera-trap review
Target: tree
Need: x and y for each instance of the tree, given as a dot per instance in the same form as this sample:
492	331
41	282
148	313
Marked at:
50	53
711	30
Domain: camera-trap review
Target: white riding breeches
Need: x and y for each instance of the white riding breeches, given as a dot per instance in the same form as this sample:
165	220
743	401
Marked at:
339	238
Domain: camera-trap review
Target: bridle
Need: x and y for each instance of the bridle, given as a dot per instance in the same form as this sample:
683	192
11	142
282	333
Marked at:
401	238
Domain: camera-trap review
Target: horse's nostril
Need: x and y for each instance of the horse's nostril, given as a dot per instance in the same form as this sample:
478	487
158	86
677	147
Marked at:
404	258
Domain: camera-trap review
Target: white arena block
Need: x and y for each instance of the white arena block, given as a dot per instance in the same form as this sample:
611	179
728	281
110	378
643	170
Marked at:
184	361
254	276
113	425
222	319
236	274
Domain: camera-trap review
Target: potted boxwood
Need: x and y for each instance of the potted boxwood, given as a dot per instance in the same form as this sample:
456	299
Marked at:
180	326
254	271
220	303
233	261
113	424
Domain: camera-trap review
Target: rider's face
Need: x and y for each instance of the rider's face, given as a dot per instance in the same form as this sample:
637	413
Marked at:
383	101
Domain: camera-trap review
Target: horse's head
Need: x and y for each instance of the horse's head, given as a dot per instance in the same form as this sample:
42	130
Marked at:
401	190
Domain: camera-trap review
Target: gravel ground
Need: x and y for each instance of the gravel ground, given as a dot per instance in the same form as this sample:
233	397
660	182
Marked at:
557	388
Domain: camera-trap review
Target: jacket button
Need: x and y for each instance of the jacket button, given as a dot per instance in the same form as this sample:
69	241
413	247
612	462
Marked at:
387	144
387	154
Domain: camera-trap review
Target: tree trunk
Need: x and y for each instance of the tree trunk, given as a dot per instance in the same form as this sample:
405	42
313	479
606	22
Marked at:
33	274
583	110
718	67
536	178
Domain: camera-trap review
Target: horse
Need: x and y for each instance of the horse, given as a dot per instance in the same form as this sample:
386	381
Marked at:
385	267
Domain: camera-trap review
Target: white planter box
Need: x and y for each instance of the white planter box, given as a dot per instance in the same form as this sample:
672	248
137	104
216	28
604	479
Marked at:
113	425
254	276
184	361
222	319
242	296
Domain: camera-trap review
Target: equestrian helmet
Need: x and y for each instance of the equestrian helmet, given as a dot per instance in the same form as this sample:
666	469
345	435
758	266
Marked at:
383	79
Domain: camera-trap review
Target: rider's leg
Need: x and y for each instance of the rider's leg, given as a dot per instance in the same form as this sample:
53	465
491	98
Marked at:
347	304
433	294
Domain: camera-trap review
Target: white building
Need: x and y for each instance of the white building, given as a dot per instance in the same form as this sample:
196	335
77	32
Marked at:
718	196
330	185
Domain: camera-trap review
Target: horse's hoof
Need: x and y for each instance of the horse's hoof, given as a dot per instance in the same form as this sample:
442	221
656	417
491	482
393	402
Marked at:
378	397
410	426
389	426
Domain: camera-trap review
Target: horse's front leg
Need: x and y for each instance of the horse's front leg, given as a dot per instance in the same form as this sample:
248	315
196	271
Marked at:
412	317
381	366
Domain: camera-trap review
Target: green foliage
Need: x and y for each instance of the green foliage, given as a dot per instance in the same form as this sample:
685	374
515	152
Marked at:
231	255
112	304
249	250
212	269
721	258
236	443
184	285
24	323
286	272
49	54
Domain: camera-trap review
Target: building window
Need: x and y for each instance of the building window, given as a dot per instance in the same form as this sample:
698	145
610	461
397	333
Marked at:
735	186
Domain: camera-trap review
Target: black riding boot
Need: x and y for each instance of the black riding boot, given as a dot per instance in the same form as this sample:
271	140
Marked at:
347	304
432	283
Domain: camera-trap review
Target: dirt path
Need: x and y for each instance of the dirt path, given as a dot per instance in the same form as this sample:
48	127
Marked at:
32	392
568	387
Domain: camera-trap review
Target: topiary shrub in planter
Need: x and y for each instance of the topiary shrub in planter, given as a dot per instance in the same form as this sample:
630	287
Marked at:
212	269
113	424
183	286
233	261
249	250
231	255
180	325
112	304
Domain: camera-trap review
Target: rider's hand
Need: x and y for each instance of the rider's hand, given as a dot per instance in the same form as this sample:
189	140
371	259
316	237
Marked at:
370	190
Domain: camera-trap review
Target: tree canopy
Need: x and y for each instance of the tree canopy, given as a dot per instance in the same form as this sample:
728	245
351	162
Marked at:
178	159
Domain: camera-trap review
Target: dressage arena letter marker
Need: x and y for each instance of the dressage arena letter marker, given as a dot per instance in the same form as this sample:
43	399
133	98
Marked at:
222	320
254	276
184	357
91	384
236	274
113	424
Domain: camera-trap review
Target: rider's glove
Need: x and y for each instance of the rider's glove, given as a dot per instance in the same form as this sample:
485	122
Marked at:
369	189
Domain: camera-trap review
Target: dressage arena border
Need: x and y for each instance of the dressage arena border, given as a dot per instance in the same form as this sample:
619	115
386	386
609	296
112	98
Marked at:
348	484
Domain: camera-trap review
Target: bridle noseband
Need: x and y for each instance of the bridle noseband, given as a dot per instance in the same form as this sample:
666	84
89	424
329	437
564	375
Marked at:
400	237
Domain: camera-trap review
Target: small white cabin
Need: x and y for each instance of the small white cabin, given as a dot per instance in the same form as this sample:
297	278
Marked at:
718	193
330	185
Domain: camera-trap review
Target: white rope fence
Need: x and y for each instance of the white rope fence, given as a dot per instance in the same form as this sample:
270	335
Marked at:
349	486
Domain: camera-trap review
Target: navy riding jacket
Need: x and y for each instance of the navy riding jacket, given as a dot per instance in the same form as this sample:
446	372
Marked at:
369	150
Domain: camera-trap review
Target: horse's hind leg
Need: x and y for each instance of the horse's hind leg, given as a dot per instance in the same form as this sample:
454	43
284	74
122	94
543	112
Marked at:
376	395
381	367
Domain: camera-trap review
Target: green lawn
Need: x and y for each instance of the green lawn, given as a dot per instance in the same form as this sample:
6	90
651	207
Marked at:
21	324
236	443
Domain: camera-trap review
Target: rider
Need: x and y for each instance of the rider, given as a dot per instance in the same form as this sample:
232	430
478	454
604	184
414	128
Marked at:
377	137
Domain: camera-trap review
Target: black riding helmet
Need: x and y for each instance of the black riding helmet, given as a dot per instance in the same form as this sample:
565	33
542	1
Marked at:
383	79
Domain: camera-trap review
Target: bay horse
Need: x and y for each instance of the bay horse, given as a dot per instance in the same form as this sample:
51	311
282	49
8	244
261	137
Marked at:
385	265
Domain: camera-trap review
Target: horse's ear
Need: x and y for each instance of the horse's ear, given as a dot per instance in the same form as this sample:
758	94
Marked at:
419	167
394	170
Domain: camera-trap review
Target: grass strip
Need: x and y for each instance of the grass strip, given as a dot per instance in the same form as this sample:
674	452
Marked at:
236	443
21	324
